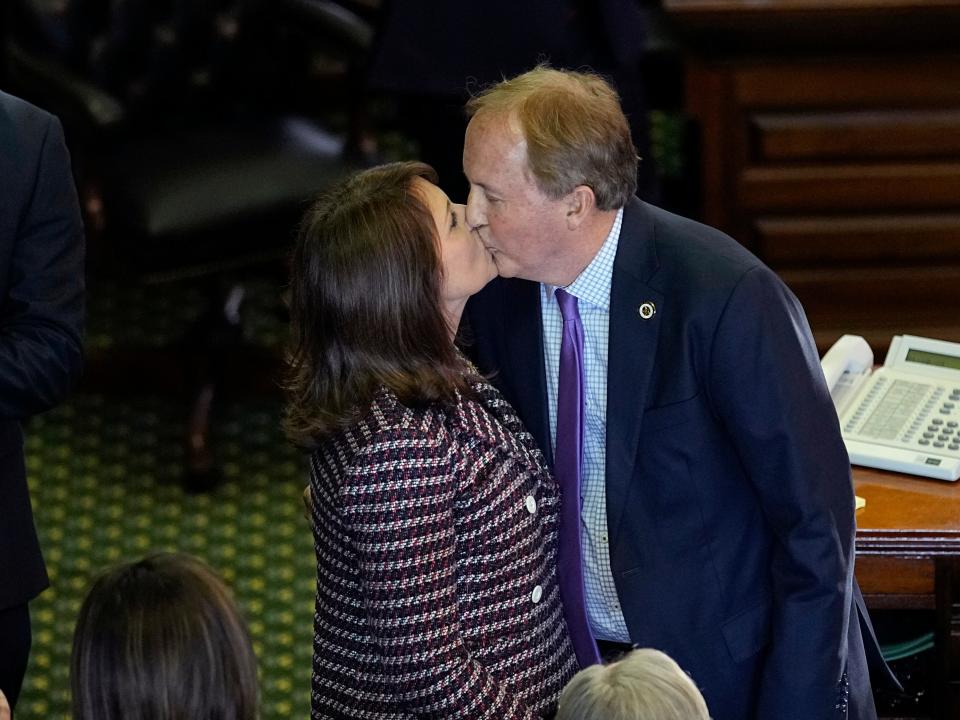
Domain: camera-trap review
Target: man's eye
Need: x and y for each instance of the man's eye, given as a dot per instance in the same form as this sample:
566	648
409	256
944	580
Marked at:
491	199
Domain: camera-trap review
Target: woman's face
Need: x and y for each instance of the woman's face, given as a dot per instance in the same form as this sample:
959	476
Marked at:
465	262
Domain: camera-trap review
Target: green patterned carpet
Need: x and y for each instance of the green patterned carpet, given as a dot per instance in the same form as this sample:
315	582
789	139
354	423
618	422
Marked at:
104	476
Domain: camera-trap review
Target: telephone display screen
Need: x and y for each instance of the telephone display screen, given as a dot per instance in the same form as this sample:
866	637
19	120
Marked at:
930	358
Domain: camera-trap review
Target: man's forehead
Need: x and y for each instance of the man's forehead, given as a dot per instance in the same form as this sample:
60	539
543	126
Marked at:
503	126
496	140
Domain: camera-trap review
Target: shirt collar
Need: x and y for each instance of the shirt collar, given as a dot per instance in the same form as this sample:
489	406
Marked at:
593	284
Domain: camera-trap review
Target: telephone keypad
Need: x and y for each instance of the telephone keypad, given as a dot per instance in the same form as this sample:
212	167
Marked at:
906	413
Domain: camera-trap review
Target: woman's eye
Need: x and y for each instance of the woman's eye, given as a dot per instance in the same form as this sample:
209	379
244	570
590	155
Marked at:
453	219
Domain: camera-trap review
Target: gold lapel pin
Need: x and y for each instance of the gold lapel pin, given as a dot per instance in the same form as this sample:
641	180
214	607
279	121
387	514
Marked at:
647	310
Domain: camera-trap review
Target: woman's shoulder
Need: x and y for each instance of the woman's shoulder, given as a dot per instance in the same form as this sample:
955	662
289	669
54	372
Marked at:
389	423
387	419
386	431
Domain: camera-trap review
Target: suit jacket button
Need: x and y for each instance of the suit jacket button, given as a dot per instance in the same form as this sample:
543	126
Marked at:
536	594
531	503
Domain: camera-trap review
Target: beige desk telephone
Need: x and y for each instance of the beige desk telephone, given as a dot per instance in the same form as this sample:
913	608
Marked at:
905	416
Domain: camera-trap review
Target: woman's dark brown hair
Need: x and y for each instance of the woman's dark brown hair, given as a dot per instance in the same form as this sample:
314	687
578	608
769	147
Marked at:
365	308
162	639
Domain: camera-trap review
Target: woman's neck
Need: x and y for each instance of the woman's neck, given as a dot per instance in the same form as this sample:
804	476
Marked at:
452	312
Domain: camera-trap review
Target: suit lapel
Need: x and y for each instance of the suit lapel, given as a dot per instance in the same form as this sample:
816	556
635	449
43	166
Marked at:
632	348
522	352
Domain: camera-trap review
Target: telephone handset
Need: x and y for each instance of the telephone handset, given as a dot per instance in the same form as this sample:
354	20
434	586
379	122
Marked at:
905	416
847	364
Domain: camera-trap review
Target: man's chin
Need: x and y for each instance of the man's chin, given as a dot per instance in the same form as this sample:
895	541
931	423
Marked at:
504	270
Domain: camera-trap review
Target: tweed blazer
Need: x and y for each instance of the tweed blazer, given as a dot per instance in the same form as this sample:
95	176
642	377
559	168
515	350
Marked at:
436	537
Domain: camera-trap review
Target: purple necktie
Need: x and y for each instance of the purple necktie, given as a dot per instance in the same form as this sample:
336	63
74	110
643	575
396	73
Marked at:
568	465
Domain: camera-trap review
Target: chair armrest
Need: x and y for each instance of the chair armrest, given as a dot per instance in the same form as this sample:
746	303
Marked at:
66	94
341	23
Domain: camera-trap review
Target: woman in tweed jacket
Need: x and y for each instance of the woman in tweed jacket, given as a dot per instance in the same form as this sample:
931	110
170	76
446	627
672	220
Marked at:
434	517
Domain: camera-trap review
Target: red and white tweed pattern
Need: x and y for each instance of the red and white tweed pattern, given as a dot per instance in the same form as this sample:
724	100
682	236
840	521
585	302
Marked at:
437	594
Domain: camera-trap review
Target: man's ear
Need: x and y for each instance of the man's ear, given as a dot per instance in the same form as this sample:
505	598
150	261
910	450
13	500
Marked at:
580	204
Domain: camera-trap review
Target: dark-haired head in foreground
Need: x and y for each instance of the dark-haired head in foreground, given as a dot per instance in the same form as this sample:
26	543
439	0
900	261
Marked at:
162	639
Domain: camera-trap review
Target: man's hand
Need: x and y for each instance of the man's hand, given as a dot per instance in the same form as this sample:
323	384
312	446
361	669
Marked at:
4	707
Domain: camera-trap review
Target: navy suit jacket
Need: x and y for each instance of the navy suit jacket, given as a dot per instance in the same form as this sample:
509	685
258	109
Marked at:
41	316
730	505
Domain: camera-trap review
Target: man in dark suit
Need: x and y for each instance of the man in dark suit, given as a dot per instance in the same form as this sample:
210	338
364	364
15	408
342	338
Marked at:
41	321
716	506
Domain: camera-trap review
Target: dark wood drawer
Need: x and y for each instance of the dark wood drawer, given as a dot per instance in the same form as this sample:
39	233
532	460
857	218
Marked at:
857	83
878	302
830	240
896	582
862	135
902	294
850	187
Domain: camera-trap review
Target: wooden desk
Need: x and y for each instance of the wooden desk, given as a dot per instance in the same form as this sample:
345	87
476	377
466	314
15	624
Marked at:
908	557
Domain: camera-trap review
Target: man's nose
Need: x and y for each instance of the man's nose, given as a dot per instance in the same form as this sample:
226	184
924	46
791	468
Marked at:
475	213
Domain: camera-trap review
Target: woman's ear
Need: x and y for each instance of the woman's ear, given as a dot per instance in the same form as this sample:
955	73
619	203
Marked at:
580	204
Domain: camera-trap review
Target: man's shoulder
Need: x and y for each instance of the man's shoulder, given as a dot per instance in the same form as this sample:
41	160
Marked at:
21	118
24	130
679	252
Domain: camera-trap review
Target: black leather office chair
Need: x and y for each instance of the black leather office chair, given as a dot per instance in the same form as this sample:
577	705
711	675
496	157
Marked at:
194	133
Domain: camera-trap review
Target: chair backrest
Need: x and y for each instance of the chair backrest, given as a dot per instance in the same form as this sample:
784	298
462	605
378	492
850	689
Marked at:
216	136
166	57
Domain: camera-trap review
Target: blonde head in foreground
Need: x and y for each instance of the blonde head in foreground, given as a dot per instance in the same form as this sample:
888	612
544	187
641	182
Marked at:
645	685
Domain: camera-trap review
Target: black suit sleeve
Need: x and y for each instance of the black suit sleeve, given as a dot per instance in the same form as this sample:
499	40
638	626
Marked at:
41	320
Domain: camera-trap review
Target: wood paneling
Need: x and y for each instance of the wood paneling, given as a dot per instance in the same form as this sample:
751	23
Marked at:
731	26
910	581
878	302
848	82
821	241
828	188
875	135
842	172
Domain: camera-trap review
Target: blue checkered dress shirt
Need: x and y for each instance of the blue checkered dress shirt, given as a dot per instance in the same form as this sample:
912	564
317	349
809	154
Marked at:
592	289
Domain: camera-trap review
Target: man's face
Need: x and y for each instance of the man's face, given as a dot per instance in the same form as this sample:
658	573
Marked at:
522	227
